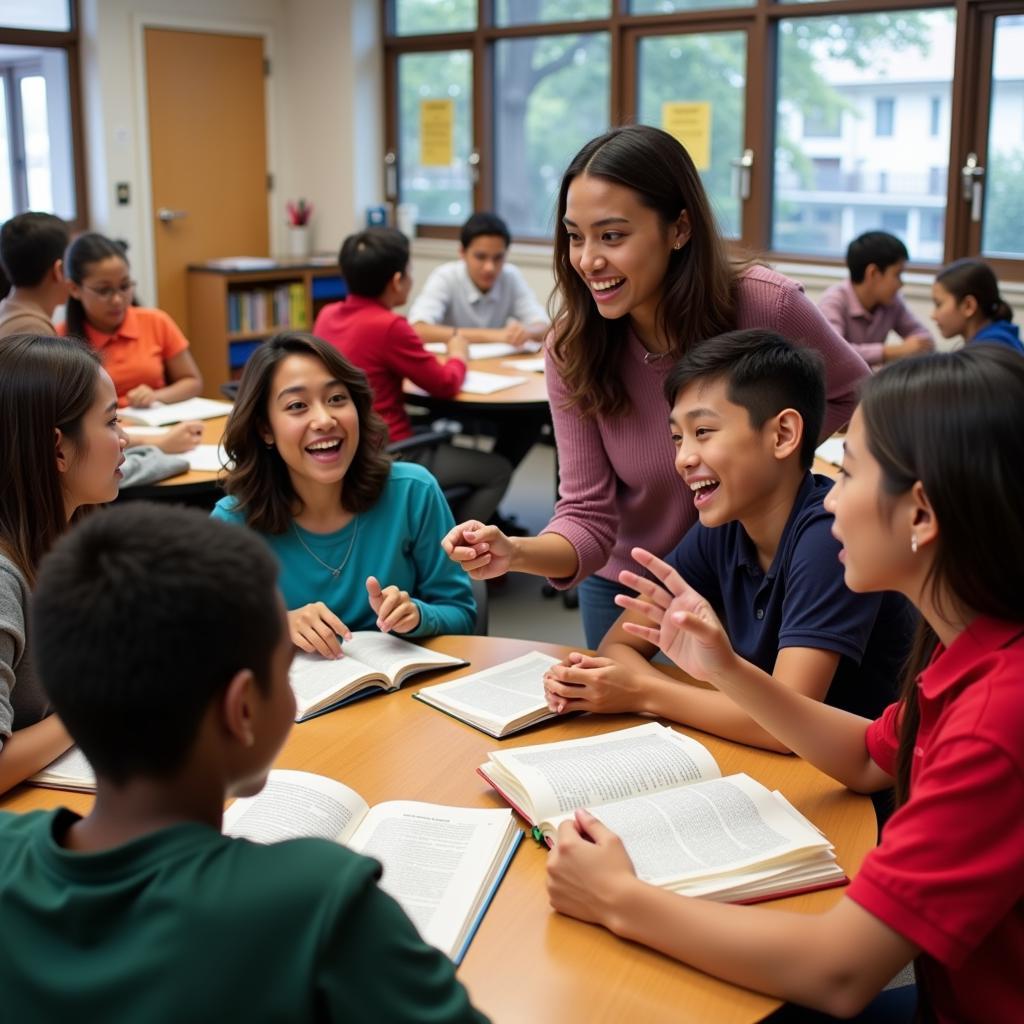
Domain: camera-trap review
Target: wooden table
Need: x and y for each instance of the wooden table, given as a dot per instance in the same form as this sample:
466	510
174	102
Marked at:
530	396
527	963
213	431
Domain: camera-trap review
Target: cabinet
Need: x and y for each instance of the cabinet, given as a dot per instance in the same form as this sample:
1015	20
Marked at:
235	305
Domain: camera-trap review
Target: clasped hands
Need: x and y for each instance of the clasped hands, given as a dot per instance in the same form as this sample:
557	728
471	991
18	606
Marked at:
314	628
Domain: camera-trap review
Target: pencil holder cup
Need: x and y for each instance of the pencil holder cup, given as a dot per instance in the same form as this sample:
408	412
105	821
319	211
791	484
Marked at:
299	240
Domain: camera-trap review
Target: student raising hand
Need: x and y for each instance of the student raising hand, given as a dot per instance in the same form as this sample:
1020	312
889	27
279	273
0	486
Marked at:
396	611
683	625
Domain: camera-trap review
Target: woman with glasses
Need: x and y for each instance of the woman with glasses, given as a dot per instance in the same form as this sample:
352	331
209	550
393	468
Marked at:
142	349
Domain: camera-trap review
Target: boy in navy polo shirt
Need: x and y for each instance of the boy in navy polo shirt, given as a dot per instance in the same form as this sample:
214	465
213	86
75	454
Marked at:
747	407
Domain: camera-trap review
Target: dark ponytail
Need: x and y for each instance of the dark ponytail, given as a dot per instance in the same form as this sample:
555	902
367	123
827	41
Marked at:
975	277
85	250
955	422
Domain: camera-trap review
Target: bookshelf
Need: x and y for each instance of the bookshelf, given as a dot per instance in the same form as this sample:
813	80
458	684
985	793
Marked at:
235	305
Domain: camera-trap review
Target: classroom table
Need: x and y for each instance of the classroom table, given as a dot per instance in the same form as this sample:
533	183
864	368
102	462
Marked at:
529	397
527	963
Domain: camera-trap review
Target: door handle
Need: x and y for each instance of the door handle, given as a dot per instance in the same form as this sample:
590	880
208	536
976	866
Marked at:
742	167
167	215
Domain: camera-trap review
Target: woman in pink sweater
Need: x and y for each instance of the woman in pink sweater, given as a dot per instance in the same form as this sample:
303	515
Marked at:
642	275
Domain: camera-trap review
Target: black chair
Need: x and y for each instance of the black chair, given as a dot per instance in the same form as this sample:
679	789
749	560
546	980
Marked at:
229	389
424	445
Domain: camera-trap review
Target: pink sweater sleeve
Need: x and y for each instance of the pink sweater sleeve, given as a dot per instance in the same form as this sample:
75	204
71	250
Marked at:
585	513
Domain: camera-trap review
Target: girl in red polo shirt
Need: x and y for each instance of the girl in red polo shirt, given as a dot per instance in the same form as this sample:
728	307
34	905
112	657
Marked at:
142	349
928	504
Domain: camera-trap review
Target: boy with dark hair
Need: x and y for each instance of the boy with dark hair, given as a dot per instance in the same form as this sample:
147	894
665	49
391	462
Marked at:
486	300
142	910
479	294
747	407
865	308
32	256
381	343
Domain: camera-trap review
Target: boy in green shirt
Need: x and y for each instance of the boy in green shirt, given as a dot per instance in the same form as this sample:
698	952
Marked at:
162	642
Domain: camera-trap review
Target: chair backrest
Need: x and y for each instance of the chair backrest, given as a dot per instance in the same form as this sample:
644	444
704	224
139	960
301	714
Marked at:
482	617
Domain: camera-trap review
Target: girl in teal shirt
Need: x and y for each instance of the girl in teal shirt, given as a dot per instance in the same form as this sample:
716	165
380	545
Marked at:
356	535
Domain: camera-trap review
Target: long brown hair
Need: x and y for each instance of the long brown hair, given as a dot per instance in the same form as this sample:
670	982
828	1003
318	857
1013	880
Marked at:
698	301
45	384
260	481
955	422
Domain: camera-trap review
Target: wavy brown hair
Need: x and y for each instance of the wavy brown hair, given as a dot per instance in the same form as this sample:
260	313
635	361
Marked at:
260	481
45	384
699	298
955	422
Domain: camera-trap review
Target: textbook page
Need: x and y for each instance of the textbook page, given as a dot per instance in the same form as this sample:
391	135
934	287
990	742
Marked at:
496	696
296	804
556	778
831	450
437	862
159	415
209	458
479	383
706	829
391	655
485	349
69	771
367	658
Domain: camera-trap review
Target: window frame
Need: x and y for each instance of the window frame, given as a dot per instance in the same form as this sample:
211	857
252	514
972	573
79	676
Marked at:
68	42
970	90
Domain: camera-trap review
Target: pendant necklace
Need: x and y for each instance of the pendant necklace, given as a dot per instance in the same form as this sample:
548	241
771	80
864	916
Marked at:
335	572
653	357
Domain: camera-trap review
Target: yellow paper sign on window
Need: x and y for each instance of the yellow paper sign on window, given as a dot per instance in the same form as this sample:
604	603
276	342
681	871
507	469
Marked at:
437	127
690	123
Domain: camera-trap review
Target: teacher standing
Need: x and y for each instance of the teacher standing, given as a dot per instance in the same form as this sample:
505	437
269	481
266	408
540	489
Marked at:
642	275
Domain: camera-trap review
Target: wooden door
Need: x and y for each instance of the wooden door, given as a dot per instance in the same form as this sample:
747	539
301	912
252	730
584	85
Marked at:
207	155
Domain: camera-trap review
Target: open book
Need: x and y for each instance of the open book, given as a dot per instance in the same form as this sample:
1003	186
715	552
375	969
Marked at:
685	828
370	661
159	415
442	864
499	700
69	771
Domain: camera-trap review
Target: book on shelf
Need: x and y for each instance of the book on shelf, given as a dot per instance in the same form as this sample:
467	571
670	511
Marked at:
684	827
69	771
498	701
441	864
159	414
370	661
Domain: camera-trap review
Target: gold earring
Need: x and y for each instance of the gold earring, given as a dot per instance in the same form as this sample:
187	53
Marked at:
678	245
913	543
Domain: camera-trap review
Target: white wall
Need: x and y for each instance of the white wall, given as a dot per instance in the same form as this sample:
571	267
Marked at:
324	109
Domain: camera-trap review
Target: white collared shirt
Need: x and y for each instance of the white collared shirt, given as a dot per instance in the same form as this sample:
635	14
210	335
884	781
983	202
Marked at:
450	297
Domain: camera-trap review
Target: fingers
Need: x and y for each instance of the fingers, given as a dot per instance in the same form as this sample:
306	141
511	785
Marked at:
455	537
652	636
315	629
652	612
396	610
374	592
591	828
662	570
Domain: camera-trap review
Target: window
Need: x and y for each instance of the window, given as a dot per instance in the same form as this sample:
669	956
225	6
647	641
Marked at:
884	107
40	158
1004	202
790	116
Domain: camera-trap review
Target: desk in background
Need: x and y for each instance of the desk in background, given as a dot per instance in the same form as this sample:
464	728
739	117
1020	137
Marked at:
526	963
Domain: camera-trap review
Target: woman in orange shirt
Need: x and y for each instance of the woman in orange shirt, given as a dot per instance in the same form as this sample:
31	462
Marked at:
143	350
